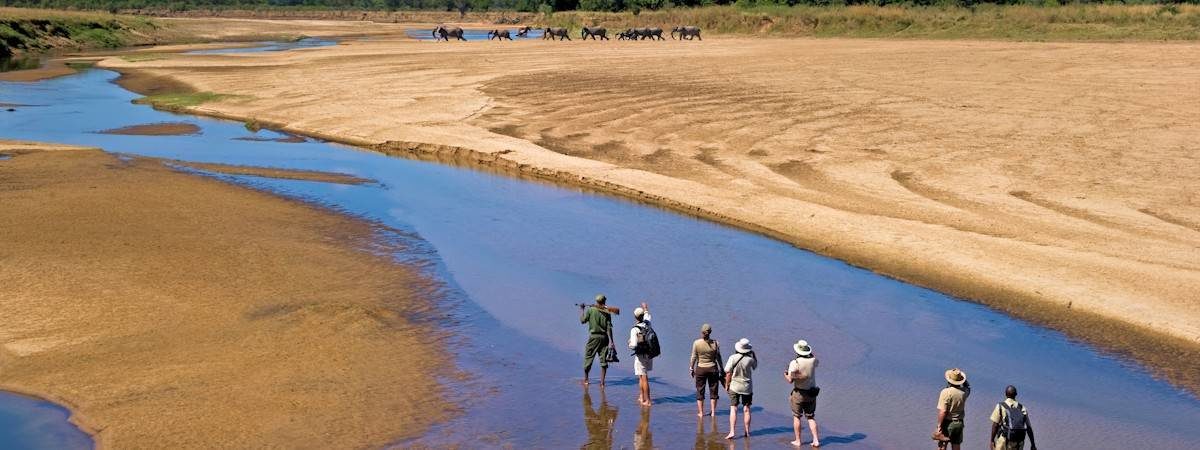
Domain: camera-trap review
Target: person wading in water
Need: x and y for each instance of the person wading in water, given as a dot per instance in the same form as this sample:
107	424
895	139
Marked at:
599	323
644	343
705	364
802	374
738	379
952	407
1010	424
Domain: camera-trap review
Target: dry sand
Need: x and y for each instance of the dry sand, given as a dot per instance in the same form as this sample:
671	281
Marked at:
1058	182
170	310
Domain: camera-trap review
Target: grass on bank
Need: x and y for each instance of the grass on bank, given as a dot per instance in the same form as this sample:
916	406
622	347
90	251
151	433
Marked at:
1074	22
179	101
30	31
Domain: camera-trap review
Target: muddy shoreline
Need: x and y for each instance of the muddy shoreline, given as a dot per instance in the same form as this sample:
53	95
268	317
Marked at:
1174	359
190	329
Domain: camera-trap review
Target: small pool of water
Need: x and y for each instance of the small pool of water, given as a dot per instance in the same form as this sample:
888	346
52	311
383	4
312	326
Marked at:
516	255
473	34
277	46
33	424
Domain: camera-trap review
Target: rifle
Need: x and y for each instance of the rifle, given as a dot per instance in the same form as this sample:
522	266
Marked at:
605	308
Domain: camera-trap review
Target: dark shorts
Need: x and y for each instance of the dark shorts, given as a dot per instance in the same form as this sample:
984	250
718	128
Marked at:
707	376
597	346
953	430
736	399
803	406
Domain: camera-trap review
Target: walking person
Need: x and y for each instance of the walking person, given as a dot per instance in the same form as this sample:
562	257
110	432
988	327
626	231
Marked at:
952	408
738	375
706	369
644	343
1010	424
599	323
802	374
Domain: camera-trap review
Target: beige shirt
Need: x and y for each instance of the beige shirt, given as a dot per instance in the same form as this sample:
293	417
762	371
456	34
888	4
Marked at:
705	354
804	372
953	401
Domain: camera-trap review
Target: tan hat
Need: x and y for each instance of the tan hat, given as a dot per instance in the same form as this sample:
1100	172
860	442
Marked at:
956	376
600	298
801	347
706	328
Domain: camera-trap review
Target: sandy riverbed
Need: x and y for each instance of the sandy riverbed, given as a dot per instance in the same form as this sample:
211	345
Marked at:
1055	181
171	310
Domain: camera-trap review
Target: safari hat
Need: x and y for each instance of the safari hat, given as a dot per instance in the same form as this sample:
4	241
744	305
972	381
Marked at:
801	347
600	298
743	346
706	328
956	376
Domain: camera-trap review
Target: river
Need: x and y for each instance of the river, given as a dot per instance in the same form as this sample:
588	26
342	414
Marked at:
517	254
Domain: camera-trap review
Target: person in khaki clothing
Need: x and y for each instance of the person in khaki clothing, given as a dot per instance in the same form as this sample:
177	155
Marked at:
706	369
952	407
1010	424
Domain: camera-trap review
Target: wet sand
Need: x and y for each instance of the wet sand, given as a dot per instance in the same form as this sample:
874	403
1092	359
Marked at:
270	172
156	129
162	324
1051	181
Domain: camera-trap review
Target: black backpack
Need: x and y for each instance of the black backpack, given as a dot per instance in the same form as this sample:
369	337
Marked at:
647	341
1013	423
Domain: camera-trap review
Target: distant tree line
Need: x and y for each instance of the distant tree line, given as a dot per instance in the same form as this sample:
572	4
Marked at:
511	5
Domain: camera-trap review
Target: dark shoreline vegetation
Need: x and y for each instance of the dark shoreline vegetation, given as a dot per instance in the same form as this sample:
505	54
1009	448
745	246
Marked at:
37	31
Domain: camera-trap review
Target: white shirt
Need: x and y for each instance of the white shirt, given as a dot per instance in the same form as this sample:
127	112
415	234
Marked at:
633	332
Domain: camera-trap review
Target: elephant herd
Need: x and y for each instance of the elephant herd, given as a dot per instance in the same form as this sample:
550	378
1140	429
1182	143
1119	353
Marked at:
443	32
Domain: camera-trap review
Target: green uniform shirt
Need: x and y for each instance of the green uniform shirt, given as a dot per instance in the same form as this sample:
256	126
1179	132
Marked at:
598	321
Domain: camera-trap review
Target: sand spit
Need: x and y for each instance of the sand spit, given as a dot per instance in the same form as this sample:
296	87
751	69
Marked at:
156	129
271	172
164	324
1014	174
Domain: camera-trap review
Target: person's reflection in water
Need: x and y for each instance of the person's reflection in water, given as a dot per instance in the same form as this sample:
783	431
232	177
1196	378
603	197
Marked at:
643	439
599	422
707	435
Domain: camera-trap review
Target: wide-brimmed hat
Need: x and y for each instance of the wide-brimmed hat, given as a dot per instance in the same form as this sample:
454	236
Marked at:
743	346
956	376
600	298
706	328
801	347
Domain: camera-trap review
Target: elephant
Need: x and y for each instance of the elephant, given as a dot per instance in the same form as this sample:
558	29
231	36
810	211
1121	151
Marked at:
560	33
499	35
628	34
524	31
594	33
443	32
654	34
688	32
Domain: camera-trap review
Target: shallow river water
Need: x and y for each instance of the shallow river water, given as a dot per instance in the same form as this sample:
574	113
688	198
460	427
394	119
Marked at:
516	255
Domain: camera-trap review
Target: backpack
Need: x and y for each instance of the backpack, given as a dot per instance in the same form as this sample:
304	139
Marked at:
647	341
1013	422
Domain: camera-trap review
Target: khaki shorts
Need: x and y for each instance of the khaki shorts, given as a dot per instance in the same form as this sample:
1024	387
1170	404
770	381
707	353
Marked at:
803	407
953	430
736	399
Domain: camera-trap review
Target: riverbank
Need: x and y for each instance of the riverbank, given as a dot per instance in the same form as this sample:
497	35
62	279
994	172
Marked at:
161	323
955	174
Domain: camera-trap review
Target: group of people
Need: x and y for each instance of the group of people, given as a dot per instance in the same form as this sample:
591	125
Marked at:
1010	420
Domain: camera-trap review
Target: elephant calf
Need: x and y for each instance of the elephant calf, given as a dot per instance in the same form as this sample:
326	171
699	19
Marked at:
688	32
594	33
560	33
499	35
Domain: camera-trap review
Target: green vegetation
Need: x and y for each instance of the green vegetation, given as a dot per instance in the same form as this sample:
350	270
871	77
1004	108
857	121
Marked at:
139	57
32	31
177	101
1012	22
